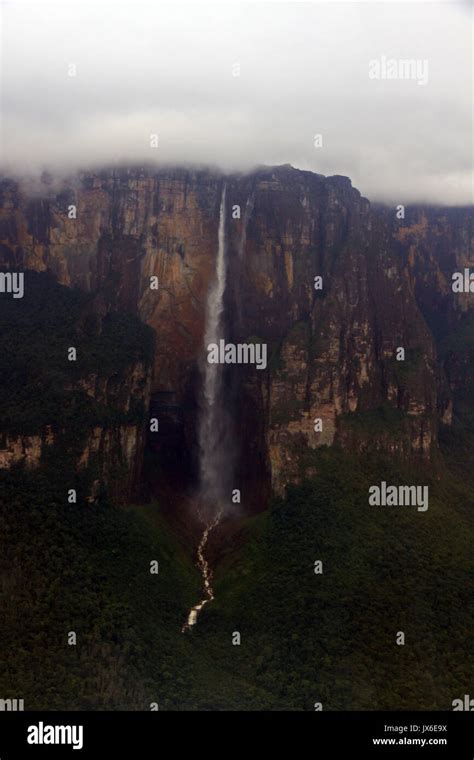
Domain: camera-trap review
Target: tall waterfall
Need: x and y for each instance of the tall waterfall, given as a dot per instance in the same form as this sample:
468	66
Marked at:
215	430
214	422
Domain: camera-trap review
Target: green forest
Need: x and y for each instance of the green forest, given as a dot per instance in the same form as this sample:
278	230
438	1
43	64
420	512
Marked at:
306	637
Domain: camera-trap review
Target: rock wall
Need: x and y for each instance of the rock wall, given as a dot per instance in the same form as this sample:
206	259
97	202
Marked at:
386	285
86	416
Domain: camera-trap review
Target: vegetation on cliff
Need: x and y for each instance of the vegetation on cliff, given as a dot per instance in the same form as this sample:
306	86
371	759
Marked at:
39	386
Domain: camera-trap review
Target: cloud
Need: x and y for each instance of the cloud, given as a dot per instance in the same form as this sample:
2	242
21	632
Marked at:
144	68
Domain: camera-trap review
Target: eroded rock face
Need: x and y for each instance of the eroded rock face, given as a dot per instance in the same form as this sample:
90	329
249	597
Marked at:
129	226
435	243
20	449
331	351
118	448
114	449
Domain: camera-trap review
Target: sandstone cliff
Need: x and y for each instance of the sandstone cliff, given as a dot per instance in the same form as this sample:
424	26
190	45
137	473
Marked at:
332	351
86	417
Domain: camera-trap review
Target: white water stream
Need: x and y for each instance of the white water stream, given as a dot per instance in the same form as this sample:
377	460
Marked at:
213	430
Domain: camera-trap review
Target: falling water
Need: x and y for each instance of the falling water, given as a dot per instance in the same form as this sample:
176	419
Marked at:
214	424
206	572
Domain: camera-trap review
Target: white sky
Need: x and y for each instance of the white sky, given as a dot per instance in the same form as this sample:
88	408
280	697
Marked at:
149	67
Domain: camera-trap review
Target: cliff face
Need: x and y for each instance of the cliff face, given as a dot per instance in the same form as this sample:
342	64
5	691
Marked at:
435	243
116	447
85	415
333	373
22	449
129	226
113	450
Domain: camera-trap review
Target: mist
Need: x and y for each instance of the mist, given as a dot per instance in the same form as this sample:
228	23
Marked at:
236	85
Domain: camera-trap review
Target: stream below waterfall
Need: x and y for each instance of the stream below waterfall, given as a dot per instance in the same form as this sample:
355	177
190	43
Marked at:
206	572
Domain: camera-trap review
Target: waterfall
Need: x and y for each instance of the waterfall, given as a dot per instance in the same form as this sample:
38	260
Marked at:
215	429
214	423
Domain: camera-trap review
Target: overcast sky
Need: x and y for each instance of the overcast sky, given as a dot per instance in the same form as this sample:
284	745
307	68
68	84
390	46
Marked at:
146	68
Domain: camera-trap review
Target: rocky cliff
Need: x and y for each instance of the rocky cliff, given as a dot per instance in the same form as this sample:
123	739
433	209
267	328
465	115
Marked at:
75	389
355	357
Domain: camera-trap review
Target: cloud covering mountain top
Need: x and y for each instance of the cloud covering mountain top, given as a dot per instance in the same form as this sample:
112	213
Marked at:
380	92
